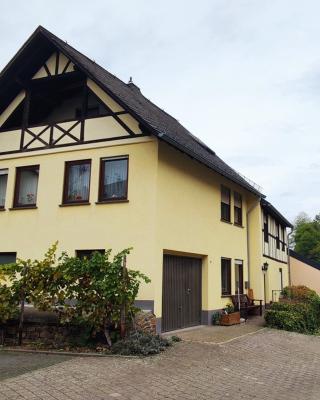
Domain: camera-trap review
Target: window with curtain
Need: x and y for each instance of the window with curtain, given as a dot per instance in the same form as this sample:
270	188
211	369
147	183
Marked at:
238	277
114	179
237	208
26	188
3	186
77	182
225	276
225	204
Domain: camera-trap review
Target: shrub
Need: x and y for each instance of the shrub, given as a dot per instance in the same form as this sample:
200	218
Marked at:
140	343
301	314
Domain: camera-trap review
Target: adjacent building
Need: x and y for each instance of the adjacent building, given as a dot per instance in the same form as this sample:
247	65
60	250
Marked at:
87	160
304	271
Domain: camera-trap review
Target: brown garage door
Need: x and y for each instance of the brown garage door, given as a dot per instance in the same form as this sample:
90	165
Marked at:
181	295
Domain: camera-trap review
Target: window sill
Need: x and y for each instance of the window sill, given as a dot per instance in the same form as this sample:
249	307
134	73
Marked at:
225	296
23	208
238	225
85	203
225	221
2	209
112	201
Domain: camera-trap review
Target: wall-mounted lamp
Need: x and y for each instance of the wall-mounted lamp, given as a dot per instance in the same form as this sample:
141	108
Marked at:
265	267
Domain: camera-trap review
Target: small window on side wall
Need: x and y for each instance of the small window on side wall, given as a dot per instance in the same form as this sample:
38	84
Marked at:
77	182
225	204
3	187
237	208
113	179
8	258
26	188
88	253
225	276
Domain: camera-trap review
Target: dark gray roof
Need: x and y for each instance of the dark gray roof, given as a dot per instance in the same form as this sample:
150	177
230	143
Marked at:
312	263
275	213
160	123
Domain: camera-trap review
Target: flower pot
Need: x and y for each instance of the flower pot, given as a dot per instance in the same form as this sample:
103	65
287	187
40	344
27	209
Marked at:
230	319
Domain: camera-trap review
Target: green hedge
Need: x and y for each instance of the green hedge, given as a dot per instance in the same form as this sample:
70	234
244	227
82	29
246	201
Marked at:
301	315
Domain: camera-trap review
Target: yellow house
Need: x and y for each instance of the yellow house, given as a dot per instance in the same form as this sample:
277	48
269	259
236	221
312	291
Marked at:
304	271
87	160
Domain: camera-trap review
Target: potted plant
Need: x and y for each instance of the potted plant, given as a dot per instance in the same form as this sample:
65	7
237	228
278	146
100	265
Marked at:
229	316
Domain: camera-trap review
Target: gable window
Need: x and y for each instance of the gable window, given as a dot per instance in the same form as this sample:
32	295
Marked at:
237	208
77	182
239	276
265	228
3	187
26	187
113	179
225	276
225	204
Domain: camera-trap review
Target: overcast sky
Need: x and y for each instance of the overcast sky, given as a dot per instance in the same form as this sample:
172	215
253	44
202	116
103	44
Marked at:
242	75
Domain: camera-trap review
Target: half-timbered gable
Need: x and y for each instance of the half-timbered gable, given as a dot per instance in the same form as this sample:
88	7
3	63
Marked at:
61	106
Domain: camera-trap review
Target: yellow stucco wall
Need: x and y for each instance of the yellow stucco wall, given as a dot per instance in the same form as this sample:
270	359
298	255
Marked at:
188	221
304	274
116	226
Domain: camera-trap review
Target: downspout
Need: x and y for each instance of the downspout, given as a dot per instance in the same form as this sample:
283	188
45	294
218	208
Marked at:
289	264
248	247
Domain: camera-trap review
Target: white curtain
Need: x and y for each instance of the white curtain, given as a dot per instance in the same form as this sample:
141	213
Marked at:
79	181
3	187
28	187
115	179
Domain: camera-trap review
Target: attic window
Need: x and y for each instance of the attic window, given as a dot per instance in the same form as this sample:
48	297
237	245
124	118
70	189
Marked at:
62	99
55	101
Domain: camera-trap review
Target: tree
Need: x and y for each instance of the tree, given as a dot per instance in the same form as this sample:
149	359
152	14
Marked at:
306	236
97	291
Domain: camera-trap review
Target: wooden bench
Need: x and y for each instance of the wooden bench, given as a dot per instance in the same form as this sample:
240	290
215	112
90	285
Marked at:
247	305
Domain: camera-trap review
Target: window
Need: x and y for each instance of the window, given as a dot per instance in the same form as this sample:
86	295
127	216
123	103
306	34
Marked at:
237	208
77	182
8	258
88	253
283	238
225	204
26	187
3	187
281	279
226	276
239	277
265	228
113	179
278	235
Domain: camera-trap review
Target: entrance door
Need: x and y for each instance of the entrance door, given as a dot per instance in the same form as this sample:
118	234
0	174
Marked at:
181	295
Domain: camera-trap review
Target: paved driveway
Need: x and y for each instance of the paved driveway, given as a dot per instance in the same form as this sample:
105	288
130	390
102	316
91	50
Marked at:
264	365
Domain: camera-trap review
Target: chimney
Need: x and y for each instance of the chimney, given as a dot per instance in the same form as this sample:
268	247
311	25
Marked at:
132	86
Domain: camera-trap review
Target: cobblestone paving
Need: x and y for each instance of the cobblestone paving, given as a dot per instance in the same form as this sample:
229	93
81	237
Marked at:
14	364
266	365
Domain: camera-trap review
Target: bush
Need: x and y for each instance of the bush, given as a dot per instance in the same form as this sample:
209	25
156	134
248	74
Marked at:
301	314
300	293
140	343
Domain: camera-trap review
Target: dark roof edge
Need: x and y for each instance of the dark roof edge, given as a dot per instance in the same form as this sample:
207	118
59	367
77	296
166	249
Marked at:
305	260
197	157
275	213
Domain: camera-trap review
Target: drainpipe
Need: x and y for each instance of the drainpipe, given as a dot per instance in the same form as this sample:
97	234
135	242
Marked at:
289	264
248	249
